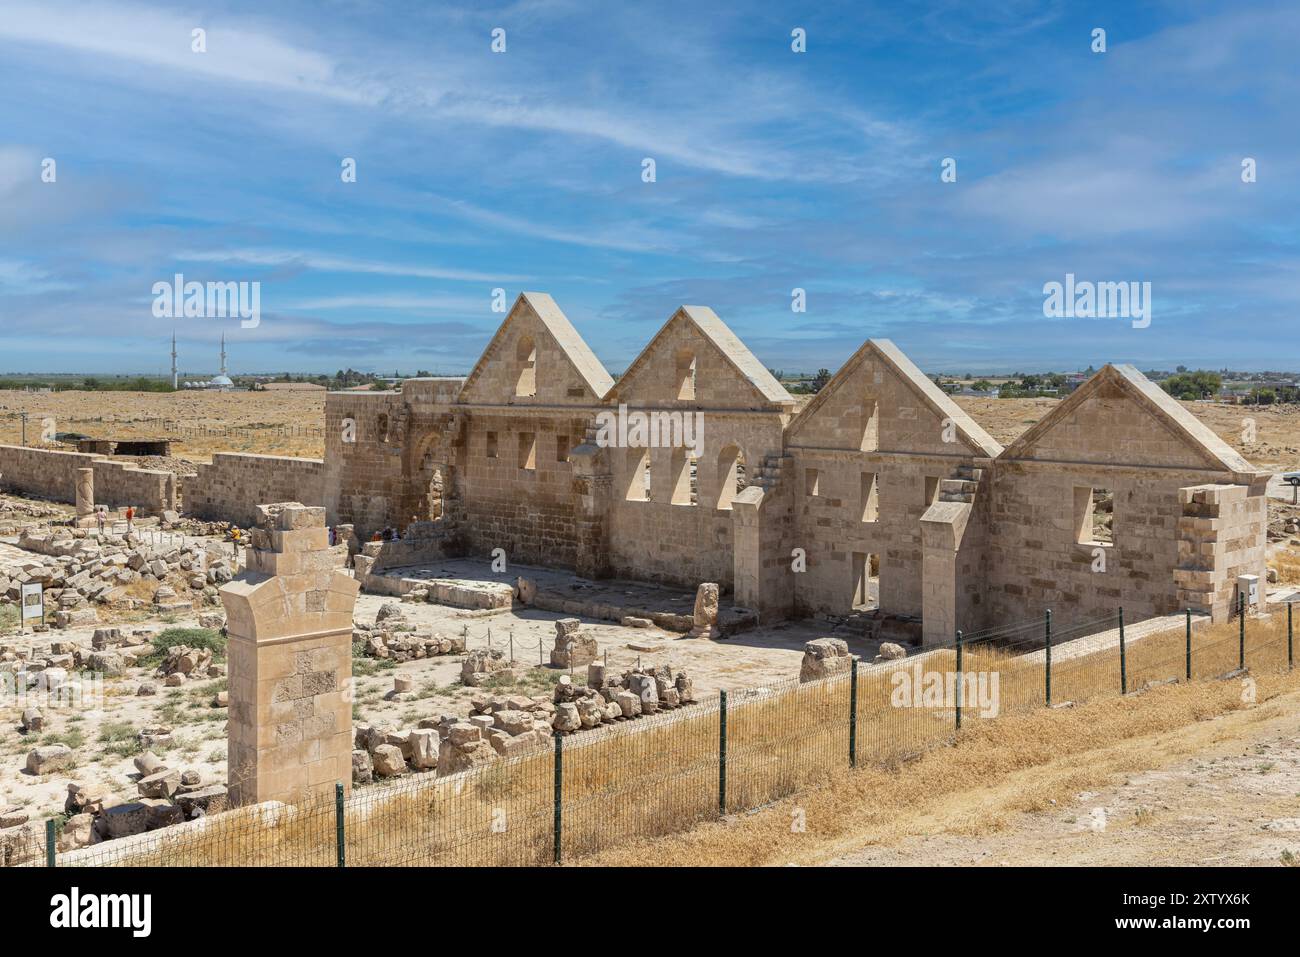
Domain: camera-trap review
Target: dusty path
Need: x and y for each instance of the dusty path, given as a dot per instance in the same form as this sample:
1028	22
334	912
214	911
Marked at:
1235	801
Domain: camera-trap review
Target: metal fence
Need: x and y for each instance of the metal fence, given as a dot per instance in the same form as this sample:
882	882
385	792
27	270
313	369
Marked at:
735	752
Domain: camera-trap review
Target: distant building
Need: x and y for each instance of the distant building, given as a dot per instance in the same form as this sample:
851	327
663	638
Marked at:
289	387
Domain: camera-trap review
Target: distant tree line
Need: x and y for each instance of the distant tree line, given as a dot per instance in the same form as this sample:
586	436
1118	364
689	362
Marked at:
92	384
1190	386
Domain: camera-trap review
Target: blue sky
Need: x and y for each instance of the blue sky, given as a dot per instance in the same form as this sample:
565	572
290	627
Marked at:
522	170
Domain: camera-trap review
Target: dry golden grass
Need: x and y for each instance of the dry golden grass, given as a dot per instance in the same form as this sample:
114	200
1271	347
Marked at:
202	423
1287	563
629	788
995	770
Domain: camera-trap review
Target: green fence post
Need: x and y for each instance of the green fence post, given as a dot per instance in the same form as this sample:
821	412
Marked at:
49	842
559	796
853	713
959	691
338	823
1290	660
1123	658
1048	670
722	753
1241	630
1189	644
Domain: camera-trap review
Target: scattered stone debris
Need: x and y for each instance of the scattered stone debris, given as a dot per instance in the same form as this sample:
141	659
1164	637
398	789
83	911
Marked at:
507	725
481	665
889	651
824	657
80	568
573	646
393	637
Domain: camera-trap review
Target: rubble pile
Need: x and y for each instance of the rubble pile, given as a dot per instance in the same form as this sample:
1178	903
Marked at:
46	665
392	636
80	567
507	725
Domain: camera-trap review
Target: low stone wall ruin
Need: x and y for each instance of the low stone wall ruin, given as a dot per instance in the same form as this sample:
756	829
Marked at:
233	485
52	474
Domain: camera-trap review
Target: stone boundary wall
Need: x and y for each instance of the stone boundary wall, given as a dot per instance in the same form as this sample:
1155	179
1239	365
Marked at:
52	474
234	484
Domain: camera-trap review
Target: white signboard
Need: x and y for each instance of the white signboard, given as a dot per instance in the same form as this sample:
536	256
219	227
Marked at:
33	601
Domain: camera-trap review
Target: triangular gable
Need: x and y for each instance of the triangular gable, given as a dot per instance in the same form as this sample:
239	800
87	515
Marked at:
1094	425
654	368
914	383
536	315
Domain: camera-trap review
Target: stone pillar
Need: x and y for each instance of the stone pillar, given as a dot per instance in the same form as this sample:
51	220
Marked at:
1222	533
592	486
85	493
289	620
942	528
763	576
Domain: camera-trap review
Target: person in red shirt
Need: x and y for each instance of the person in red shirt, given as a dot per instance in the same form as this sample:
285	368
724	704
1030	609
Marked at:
130	514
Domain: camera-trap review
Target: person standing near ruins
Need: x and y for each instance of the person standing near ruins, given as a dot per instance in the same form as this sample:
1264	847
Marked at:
130	514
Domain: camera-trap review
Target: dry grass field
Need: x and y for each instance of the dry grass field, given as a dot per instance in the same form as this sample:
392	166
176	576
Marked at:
263	423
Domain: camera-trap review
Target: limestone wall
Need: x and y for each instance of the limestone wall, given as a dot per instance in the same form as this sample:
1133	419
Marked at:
1221	534
234	485
1036	560
51	474
513	485
365	435
692	542
868	459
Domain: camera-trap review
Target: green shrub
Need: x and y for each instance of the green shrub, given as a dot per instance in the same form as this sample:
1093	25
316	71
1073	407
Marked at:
206	638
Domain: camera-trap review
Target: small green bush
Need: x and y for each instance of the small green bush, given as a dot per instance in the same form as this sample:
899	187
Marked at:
206	638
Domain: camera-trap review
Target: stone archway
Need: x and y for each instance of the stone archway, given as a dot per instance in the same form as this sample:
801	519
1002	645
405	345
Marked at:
427	475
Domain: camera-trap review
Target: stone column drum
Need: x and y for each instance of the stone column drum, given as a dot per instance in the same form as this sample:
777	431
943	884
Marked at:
85	493
289	619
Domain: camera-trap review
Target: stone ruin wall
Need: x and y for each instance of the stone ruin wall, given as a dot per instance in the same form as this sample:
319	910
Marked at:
234	484
1221	535
1037	561
452	455
364	480
52	474
498	503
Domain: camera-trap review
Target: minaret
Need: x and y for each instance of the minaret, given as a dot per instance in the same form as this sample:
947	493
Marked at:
174	378
223	353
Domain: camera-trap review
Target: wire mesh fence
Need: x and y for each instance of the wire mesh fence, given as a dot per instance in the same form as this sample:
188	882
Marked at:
663	773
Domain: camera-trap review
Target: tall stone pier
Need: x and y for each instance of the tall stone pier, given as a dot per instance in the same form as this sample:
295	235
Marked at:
289	619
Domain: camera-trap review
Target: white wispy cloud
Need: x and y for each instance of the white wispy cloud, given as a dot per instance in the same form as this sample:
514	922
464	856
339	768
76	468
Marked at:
163	39
629	237
323	262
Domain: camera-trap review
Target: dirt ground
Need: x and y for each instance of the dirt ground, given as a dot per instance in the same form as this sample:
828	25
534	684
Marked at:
1218	793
